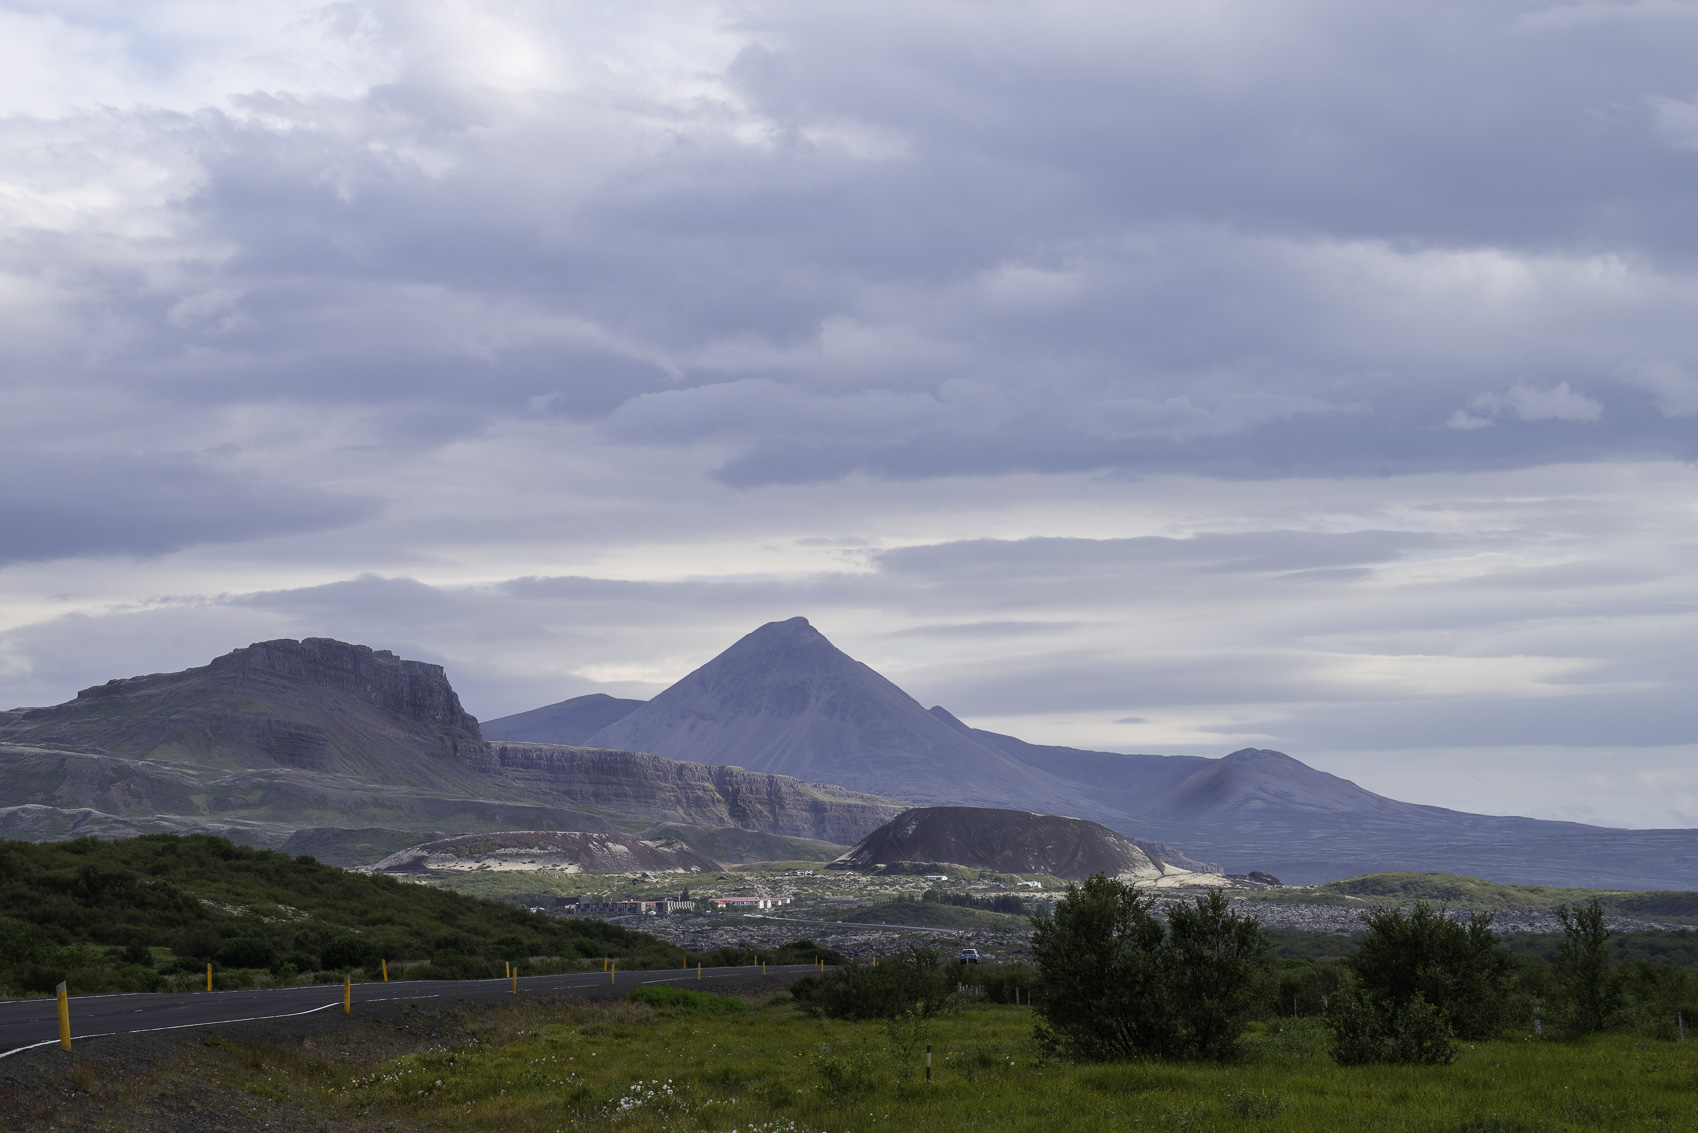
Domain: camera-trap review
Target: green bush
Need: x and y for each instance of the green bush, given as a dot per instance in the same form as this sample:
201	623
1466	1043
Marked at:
1115	982
247	952
912	980
1368	1029
1458	967
1589	990
683	1001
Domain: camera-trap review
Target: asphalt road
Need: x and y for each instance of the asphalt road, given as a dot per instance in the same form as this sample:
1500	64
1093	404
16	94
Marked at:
26	1024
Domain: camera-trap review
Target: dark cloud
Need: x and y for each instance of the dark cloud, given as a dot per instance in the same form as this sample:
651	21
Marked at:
55	507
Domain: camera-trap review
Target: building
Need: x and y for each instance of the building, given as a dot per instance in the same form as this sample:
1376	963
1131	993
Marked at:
659	907
746	904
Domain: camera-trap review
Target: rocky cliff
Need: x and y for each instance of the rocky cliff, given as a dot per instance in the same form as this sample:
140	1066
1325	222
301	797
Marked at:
318	705
670	790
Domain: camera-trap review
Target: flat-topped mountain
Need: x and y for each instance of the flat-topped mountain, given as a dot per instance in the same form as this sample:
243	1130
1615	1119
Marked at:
784	699
314	705
1007	841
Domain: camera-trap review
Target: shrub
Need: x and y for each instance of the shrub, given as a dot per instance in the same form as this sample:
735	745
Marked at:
1114	982
347	952
1368	1029
912	980
1585	980
1458	967
246	952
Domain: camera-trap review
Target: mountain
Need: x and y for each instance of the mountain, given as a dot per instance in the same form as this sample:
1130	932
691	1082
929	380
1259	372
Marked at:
568	722
313	705
351	752
671	791
1006	841
785	700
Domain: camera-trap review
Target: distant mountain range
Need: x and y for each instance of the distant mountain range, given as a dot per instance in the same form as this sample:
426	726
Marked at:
351	753
785	699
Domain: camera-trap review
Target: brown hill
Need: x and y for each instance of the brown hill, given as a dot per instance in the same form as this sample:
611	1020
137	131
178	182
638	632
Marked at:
1007	841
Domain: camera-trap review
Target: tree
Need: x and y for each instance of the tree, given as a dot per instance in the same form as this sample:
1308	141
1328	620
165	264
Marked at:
1583	971
1460	967
1115	982
1217	958
1422	979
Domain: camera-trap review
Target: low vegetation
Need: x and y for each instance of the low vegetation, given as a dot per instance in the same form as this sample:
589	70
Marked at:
1459	892
770	1068
149	913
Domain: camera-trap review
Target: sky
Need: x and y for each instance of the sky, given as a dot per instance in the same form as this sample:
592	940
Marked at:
1147	377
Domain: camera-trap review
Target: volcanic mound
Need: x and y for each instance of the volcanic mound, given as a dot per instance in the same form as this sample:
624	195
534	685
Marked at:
1009	841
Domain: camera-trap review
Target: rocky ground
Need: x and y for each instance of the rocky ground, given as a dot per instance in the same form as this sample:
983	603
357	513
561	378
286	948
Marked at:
864	941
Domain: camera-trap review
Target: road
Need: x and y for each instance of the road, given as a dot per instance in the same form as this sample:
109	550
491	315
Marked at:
26	1024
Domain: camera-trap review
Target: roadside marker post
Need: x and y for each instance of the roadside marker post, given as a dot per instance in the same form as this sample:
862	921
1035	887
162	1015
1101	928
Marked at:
509	964
64	1017
612	972
763	967
698	969
515	972
348	995
209	977
385	971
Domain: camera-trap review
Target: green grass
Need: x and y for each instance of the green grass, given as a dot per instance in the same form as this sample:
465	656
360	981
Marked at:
1461	892
70	911
628	1067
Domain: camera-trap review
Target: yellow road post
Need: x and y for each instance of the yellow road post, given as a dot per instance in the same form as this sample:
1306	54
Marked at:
209	977
348	995
515	972
698	969
385	971
64	1017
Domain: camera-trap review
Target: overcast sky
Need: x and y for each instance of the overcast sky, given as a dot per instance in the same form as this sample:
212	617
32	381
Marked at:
1143	376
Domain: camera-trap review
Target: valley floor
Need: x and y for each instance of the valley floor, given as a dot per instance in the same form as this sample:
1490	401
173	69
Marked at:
616	1065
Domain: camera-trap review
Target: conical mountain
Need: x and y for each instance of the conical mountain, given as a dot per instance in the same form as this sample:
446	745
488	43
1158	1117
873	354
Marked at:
787	701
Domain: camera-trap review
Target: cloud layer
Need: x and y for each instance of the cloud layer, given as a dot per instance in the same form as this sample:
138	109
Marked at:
1302	372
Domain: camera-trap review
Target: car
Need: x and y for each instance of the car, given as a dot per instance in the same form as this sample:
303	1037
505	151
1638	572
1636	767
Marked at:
969	956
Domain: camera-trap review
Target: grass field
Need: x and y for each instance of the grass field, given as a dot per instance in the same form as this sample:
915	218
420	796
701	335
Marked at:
628	1066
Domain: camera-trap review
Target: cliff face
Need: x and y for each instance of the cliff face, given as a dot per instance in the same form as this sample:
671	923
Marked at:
316	705
674	791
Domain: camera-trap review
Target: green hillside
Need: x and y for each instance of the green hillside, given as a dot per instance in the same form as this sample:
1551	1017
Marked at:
149	913
1459	892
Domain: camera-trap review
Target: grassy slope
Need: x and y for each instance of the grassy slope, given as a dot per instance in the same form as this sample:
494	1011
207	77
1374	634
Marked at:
1461	892
70	905
625	1067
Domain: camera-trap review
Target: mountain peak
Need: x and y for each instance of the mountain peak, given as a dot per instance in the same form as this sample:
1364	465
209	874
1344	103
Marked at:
784	699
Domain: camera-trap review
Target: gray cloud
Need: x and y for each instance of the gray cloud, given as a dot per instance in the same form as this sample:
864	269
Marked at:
1257	367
